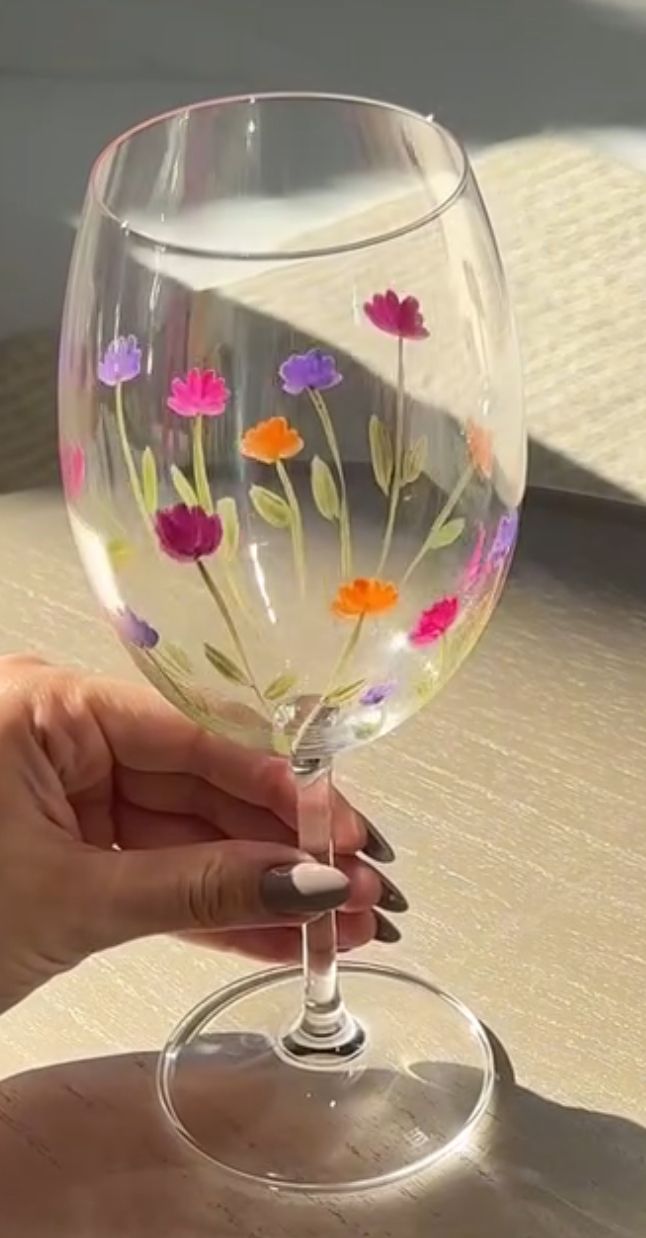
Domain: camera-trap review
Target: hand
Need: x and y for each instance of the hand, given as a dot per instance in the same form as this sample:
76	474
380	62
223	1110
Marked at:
119	818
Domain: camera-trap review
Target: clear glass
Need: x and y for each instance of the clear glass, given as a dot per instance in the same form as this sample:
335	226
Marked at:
293	452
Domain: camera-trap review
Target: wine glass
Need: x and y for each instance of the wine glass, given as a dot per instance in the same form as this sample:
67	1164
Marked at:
293	453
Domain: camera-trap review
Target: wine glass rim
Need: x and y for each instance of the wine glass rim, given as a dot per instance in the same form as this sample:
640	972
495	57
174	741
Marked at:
420	221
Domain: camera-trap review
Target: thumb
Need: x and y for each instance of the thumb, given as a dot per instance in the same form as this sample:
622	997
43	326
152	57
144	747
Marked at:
211	886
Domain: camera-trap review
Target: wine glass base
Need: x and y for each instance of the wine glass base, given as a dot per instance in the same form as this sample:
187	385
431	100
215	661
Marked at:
412	1098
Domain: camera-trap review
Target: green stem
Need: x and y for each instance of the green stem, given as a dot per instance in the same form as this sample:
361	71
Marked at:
395	489
441	518
344	515
339	666
200	476
298	542
133	475
221	604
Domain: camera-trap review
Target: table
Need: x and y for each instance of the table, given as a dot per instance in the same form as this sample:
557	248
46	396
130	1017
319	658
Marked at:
517	808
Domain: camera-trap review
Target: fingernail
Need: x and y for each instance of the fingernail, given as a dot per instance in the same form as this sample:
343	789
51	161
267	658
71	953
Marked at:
392	898
386	931
376	847
303	888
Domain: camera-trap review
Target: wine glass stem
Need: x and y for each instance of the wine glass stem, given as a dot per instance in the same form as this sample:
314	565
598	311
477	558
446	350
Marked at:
324	1026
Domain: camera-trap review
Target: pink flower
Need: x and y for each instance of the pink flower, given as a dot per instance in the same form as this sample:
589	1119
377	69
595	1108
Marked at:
188	533
434	622
201	393
403	318
474	567
72	461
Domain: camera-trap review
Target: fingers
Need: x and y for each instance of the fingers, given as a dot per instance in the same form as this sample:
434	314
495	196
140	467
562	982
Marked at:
285	945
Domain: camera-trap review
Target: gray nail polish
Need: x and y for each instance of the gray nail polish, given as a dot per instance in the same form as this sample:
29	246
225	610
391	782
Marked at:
303	888
376	846
386	931
392	898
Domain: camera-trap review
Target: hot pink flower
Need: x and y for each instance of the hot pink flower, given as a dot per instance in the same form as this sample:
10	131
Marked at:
474	567
403	318
201	393
188	533
434	622
72	461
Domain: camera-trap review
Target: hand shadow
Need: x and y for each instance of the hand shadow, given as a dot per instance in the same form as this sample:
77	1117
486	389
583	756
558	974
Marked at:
86	1153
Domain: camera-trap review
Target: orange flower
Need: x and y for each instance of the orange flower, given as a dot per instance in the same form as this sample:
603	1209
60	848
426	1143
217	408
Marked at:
271	440
364	597
480	445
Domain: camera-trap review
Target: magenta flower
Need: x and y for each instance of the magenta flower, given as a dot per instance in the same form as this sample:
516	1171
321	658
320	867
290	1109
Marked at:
121	361
201	393
135	631
504	540
315	370
377	693
188	533
396	317
72	461
434	622
473	570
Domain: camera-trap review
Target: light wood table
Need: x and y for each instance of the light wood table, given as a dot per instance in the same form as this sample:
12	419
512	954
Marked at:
517	806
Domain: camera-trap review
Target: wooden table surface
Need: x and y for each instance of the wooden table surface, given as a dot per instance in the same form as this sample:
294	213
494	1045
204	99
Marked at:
517	808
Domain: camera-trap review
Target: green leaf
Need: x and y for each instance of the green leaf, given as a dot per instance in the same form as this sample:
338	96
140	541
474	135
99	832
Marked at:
120	552
183	486
324	490
228	512
280	687
342	696
447	534
414	461
149	481
381	452
177	657
273	509
225	665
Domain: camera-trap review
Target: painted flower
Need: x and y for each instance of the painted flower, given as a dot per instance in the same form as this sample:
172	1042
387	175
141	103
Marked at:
364	597
135	631
377	693
504	540
73	469
121	361
200	393
480	446
271	440
188	533
315	370
434	622
473	570
396	317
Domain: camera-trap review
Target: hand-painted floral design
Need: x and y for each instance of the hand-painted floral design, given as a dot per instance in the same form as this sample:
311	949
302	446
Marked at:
200	393
313	371
121	361
188	533
434	622
364	596
395	316
473	570
271	440
135	631
480	446
504	540
73	470
377	693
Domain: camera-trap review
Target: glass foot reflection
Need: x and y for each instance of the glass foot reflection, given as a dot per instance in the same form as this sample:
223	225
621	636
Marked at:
412	1097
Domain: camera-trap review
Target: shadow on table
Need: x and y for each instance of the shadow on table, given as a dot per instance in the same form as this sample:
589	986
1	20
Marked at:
84	1150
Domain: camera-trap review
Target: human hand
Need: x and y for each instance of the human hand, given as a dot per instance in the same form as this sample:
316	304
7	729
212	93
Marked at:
119	819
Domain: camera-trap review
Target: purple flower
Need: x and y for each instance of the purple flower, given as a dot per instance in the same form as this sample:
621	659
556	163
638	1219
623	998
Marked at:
314	370
188	533
121	361
504	540
135	631
377	693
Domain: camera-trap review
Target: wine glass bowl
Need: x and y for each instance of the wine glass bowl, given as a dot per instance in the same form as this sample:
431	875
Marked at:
293	452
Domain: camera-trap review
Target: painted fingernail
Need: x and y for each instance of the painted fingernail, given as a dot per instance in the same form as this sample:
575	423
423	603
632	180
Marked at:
376	846
303	888
392	898
386	931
